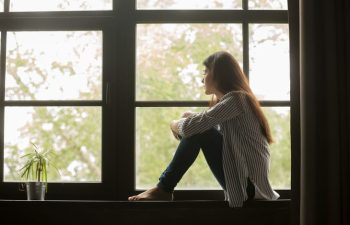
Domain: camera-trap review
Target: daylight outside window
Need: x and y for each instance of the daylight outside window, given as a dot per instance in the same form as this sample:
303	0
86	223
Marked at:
179	50
189	4
59	5
55	83
67	65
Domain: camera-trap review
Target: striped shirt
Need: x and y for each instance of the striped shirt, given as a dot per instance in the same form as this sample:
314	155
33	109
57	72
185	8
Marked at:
245	148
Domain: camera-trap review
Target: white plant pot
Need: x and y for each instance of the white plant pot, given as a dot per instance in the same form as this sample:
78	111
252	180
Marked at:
36	190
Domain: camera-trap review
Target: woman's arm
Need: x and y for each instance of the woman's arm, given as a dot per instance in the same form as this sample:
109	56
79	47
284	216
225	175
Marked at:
174	125
174	128
229	107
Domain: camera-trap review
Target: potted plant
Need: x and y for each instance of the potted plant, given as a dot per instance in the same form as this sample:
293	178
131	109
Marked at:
35	172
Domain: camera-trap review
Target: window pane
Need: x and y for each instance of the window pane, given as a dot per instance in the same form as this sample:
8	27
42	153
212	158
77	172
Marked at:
155	147
269	61
73	133
280	167
1	5
169	57
55	65
59	5
268	4
189	4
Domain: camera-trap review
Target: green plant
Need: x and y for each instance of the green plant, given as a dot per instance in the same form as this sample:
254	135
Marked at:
36	165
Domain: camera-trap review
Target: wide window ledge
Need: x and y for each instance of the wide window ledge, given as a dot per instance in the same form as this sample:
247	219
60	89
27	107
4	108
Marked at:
124	212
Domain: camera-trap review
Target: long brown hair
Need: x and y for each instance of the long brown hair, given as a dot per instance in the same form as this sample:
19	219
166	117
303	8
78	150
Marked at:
228	76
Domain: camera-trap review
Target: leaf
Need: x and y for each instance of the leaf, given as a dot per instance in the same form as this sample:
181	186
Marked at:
26	155
37	164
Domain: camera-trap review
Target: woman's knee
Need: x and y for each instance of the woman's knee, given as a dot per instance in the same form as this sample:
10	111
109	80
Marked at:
208	138
211	135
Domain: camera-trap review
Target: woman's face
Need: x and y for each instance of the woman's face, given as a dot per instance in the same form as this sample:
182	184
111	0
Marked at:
209	87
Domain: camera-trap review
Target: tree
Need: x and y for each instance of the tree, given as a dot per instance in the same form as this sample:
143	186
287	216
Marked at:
169	64
74	133
179	52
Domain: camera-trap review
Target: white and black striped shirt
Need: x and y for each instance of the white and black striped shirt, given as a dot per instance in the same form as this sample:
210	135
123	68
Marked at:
245	148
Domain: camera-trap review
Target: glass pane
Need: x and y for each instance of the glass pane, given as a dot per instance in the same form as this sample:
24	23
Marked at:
268	4
73	133
280	167
189	4
1	5
155	147
269	61
54	65
59	5
169	57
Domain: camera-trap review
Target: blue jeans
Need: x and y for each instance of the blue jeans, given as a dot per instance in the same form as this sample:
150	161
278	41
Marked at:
187	151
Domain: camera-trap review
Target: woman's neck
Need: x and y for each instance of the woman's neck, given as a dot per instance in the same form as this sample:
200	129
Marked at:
218	95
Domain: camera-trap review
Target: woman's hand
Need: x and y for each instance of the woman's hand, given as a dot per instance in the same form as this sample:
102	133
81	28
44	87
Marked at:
187	114
174	126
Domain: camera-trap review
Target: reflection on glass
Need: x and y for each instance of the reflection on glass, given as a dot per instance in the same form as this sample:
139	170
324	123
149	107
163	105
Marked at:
73	133
268	4
155	147
269	61
189	4
59	5
169	57
54	65
280	166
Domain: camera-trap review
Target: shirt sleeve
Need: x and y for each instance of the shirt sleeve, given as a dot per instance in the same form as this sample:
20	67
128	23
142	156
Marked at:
226	109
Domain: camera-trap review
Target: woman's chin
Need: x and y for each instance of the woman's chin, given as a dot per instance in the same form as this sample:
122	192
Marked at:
207	92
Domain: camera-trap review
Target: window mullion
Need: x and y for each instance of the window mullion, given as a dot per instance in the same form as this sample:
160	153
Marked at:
245	32
123	98
245	28
2	95
245	4
6	5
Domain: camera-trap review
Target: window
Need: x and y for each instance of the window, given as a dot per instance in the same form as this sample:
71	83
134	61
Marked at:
99	81
53	85
173	85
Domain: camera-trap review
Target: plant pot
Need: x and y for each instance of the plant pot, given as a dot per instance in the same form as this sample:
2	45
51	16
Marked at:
36	190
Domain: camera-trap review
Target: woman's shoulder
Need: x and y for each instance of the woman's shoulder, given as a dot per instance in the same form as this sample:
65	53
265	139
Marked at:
235	95
238	99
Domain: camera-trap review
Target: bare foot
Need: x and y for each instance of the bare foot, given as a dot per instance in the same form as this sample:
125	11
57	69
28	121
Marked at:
153	194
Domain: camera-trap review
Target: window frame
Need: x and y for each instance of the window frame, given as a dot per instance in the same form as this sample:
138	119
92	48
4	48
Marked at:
62	21
244	17
119	94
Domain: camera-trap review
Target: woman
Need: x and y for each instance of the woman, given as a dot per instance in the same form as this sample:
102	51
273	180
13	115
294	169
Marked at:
233	134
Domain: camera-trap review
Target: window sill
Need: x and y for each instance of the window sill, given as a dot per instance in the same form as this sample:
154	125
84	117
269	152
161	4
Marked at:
124	212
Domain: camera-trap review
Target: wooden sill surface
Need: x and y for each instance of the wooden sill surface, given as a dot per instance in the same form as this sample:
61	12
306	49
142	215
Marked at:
146	204
189	212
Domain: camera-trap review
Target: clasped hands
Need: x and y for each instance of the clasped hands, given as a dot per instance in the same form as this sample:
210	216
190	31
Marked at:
174	125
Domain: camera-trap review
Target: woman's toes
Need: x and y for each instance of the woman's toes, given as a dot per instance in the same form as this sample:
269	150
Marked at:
132	198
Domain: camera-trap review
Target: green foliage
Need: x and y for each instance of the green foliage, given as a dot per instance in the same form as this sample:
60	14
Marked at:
36	165
155	148
169	65
74	132
179	55
164	80
280	165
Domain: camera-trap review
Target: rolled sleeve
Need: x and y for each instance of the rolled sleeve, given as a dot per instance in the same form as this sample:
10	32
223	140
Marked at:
180	127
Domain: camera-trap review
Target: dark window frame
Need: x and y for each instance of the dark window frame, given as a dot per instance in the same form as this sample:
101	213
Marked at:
119	104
